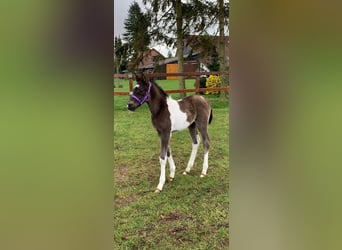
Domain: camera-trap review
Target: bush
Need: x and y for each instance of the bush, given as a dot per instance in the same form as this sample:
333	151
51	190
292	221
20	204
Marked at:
212	82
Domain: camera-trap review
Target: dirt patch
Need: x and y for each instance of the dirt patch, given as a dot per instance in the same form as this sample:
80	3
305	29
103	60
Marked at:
123	201
120	173
170	217
121	180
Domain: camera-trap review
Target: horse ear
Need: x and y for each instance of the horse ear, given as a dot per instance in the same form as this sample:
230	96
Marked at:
141	78
137	76
145	79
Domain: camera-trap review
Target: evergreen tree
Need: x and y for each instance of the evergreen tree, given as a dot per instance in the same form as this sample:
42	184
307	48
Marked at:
136	35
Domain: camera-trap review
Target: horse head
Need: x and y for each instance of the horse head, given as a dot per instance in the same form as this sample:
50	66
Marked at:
140	93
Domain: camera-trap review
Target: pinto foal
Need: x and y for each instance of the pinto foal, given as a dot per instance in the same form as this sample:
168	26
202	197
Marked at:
168	115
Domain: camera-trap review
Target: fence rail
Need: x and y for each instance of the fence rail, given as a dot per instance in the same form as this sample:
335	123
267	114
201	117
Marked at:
196	75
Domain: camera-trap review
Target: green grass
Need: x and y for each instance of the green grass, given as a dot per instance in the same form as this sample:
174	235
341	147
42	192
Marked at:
191	212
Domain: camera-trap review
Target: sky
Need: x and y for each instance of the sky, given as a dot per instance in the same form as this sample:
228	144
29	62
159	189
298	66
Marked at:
121	8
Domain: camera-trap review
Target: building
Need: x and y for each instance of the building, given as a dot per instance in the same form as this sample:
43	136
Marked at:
151	59
197	56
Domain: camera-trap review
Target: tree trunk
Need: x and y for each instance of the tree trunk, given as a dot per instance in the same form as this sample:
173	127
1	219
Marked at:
179	21
222	54
117	64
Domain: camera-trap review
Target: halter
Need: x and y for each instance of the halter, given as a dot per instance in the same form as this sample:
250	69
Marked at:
145	97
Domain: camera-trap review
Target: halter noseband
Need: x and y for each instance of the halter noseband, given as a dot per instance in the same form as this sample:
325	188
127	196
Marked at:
145	97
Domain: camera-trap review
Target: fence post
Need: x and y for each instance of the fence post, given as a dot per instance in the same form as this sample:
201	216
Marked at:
197	84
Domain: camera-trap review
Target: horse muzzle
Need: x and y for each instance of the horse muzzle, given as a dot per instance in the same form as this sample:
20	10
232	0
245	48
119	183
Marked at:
132	106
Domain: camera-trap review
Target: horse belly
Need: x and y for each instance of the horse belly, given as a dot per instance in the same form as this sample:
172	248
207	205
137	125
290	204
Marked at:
178	118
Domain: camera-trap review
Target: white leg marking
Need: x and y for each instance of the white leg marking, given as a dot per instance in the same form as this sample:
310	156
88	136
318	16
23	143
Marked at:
162	174
192	156
172	167
205	164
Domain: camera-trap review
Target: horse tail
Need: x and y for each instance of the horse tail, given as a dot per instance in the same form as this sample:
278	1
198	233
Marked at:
211	115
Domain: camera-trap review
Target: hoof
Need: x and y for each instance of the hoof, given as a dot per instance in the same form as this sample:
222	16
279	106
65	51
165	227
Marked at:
202	175
185	173
157	191
171	179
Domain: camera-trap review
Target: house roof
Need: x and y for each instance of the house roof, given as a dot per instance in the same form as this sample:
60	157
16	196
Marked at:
150	57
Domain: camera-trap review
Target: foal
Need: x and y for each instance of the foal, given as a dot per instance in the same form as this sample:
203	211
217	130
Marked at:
168	115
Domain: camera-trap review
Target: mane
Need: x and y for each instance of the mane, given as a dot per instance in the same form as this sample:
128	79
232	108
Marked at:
162	92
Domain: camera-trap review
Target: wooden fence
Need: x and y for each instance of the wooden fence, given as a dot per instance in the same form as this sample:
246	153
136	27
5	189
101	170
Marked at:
195	75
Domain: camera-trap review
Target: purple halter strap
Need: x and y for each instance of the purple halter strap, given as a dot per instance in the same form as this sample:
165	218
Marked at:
145	97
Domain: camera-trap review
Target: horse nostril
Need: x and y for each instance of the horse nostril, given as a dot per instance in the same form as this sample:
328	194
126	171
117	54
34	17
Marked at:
130	106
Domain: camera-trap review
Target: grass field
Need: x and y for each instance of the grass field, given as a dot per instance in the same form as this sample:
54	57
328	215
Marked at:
191	212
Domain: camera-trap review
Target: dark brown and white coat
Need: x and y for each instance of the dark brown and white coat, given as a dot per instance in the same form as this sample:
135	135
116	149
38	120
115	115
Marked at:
169	115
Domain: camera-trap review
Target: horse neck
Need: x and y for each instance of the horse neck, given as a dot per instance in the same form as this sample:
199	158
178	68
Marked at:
157	100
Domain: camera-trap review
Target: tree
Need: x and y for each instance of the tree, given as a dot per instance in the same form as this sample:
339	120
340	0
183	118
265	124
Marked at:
212	14
222	12
218	16
120	55
167	14
173	20
180	48
116	55
214	64
136	35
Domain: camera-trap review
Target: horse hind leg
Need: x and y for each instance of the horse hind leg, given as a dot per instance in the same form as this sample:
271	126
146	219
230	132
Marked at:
203	128
171	163
206	146
195	143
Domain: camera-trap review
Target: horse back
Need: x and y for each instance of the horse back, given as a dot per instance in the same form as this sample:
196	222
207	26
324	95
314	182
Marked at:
196	107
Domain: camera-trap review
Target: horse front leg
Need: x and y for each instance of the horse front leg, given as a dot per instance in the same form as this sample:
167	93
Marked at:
162	159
